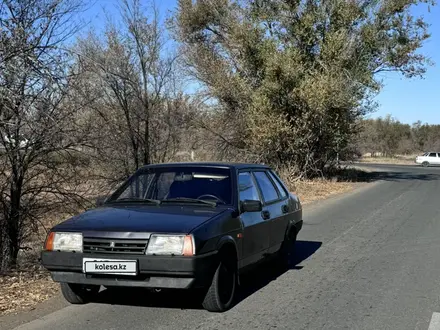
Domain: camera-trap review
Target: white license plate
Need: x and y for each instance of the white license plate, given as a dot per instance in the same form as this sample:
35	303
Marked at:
109	266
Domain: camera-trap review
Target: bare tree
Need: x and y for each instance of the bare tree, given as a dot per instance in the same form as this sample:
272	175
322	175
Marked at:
38	131
136	94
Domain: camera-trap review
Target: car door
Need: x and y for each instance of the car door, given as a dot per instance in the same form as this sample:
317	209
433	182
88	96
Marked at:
432	158
287	212
275	209
255	228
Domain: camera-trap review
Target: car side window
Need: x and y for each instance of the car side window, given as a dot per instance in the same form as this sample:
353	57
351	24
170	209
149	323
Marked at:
247	188
432	154
277	183
267	188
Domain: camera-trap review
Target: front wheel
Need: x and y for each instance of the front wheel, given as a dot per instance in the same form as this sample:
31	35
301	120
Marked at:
79	294
220	295
425	164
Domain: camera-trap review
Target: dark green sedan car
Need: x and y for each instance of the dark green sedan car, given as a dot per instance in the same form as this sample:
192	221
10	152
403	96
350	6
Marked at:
177	226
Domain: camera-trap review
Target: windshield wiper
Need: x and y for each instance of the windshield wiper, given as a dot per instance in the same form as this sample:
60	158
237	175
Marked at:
137	199
188	200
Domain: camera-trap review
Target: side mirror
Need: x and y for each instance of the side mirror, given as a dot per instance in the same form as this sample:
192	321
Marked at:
100	200
251	206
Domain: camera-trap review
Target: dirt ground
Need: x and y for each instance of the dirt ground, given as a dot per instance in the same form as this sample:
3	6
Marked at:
25	288
28	284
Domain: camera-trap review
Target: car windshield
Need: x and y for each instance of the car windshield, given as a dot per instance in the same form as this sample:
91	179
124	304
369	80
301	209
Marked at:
178	184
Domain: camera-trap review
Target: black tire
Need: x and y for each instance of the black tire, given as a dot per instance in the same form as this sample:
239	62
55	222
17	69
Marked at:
287	250
79	294
220	295
425	164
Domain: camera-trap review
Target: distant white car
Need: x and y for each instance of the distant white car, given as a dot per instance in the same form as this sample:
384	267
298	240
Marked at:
429	158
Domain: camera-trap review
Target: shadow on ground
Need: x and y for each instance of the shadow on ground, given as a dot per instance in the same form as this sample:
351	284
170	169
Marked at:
182	299
402	176
264	274
377	172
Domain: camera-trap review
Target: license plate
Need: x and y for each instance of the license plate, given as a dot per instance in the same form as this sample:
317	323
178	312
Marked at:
109	266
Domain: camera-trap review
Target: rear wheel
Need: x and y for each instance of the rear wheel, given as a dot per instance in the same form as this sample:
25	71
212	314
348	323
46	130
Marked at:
79	294
221	293
425	164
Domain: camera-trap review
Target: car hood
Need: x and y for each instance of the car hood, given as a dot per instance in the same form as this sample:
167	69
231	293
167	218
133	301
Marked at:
136	218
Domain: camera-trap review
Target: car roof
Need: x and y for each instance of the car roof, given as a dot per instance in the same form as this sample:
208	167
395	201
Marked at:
230	165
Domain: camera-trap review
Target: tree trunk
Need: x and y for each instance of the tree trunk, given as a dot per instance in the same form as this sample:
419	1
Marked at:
13	221
147	157
4	245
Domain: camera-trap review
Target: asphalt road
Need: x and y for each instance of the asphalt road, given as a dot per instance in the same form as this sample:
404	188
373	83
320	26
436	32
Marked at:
366	260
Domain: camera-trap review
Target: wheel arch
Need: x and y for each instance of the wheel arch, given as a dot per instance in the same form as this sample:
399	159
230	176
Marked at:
227	244
226	247
291	231
292	226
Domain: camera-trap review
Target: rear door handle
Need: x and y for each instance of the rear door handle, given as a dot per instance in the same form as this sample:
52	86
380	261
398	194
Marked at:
285	208
265	215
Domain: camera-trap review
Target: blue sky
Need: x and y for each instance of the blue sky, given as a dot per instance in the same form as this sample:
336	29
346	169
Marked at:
416	99
406	100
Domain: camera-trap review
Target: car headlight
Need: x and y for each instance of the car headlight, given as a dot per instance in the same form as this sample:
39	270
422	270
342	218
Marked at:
180	245
57	241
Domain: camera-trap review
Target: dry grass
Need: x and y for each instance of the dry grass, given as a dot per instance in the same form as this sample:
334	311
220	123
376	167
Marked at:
340	181
318	189
30	284
399	160
23	289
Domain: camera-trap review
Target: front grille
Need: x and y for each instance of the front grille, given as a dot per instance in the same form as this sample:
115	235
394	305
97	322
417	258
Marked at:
114	245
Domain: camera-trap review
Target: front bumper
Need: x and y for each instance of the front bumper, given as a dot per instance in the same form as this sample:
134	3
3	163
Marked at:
153	271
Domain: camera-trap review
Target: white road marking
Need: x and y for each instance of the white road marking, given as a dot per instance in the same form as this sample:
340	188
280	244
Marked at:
435	322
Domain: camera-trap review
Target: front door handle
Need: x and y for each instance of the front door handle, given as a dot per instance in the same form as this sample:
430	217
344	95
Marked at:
265	215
